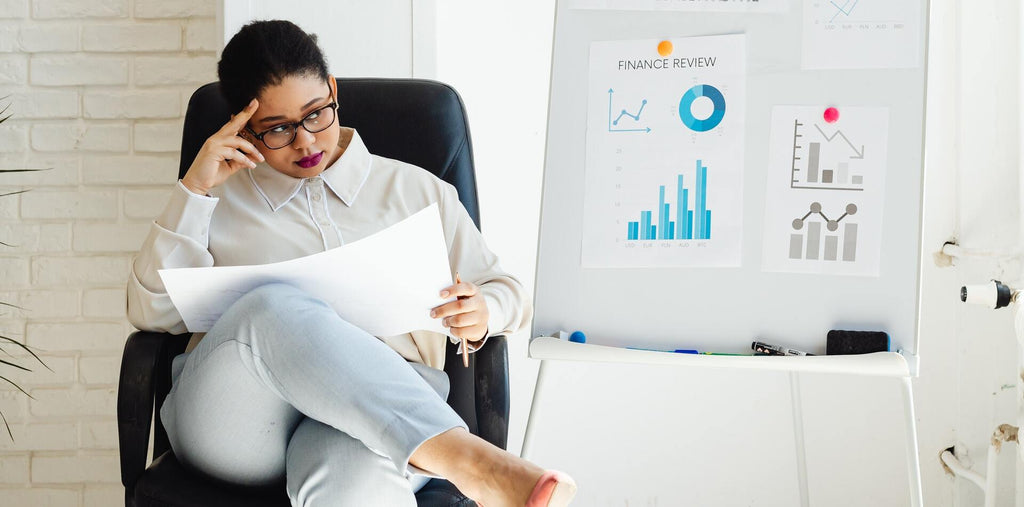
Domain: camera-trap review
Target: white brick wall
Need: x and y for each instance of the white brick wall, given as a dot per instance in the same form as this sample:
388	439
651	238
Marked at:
98	89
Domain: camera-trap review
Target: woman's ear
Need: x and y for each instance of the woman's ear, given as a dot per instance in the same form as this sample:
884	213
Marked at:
334	86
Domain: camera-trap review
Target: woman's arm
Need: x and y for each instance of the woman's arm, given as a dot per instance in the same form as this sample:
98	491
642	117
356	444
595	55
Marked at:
508	306
179	238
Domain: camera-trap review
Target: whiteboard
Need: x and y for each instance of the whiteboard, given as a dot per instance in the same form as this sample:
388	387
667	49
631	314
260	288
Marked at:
723	309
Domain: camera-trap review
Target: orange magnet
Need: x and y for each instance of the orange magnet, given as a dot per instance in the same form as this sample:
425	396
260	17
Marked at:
664	48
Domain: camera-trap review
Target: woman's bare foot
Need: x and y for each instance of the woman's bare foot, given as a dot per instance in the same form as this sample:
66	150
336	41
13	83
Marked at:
492	476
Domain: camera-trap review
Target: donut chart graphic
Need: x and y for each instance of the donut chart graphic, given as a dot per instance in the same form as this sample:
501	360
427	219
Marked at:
686	105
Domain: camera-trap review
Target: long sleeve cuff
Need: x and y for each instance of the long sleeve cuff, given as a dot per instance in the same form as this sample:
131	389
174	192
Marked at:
189	214
473	346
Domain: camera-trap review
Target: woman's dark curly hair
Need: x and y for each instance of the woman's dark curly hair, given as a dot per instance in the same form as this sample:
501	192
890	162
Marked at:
262	54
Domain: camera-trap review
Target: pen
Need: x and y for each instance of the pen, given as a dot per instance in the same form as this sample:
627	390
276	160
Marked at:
775	350
465	344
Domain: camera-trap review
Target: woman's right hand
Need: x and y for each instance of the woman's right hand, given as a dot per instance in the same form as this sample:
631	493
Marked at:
223	153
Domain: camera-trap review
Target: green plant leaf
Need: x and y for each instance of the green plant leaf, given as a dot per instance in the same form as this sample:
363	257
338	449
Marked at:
9	381
7	425
18	366
16	342
12	306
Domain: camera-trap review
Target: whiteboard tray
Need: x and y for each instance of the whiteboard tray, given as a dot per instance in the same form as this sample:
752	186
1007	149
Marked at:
883	364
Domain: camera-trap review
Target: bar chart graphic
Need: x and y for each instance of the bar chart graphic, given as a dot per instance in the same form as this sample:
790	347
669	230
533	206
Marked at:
688	224
662	178
808	168
806	243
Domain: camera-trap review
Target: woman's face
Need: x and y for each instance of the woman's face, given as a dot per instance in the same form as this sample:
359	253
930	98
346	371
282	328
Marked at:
291	101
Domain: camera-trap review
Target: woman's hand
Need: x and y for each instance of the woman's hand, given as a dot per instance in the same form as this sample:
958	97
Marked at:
220	157
467	316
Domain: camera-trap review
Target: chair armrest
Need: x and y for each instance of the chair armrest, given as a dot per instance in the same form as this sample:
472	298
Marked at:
492	393
144	365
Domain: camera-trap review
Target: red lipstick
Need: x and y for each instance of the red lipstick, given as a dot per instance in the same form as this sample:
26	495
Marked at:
310	161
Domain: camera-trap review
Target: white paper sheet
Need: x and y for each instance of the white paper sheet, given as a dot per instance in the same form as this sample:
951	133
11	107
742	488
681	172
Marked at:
664	160
385	284
825	191
862	34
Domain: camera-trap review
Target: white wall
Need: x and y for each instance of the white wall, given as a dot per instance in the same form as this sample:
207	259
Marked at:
383	38
498	55
968	354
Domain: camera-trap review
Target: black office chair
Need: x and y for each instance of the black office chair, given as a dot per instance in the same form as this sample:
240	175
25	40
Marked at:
416	121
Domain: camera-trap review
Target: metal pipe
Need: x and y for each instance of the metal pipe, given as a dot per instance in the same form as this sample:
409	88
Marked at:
959	470
987	482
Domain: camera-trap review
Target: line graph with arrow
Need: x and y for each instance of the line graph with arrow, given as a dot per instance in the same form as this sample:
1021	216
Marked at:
634	126
826	161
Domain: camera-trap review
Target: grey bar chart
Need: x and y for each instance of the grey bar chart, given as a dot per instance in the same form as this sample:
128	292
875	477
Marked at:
823	162
808	240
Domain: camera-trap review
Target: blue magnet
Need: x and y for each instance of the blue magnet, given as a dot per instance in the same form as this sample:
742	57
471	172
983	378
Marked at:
578	337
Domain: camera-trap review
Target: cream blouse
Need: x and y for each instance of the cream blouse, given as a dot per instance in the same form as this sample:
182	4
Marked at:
260	216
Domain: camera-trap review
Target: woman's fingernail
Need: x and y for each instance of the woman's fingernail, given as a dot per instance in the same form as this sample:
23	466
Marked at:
444	293
433	313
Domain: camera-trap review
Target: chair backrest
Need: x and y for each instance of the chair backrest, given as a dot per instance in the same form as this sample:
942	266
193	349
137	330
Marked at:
416	121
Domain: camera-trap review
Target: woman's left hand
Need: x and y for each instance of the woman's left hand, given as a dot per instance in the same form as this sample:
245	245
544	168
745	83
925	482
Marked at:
467	316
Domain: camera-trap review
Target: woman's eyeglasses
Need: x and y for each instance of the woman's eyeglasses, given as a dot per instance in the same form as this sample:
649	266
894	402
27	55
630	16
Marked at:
279	136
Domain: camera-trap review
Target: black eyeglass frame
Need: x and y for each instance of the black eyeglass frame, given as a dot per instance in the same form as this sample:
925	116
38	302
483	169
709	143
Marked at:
295	126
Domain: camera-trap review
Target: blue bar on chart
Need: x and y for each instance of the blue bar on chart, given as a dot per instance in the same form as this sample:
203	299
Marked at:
680	228
688	224
701	204
662	213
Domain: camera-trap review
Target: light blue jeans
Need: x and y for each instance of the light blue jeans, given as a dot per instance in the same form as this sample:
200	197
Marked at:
282	387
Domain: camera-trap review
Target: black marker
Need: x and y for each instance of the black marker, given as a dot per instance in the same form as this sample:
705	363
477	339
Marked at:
766	349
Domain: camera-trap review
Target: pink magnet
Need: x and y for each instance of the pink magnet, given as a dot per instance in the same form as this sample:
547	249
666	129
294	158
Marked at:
831	115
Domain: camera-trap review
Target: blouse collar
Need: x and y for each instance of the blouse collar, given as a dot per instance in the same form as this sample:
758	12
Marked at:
345	177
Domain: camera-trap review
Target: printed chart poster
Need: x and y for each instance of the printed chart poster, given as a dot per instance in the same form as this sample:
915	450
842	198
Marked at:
825	191
684	5
664	161
862	34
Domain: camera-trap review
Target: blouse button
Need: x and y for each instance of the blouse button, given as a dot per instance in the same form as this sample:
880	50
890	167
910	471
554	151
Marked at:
316	197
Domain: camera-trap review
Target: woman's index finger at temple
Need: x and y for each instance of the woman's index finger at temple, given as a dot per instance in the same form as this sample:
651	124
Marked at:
238	121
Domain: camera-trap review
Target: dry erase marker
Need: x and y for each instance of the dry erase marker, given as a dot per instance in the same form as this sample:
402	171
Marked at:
775	350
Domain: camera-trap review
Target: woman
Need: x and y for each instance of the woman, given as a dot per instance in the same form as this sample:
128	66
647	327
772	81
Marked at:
281	386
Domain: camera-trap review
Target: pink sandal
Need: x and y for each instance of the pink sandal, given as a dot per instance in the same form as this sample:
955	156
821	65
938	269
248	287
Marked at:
553	489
